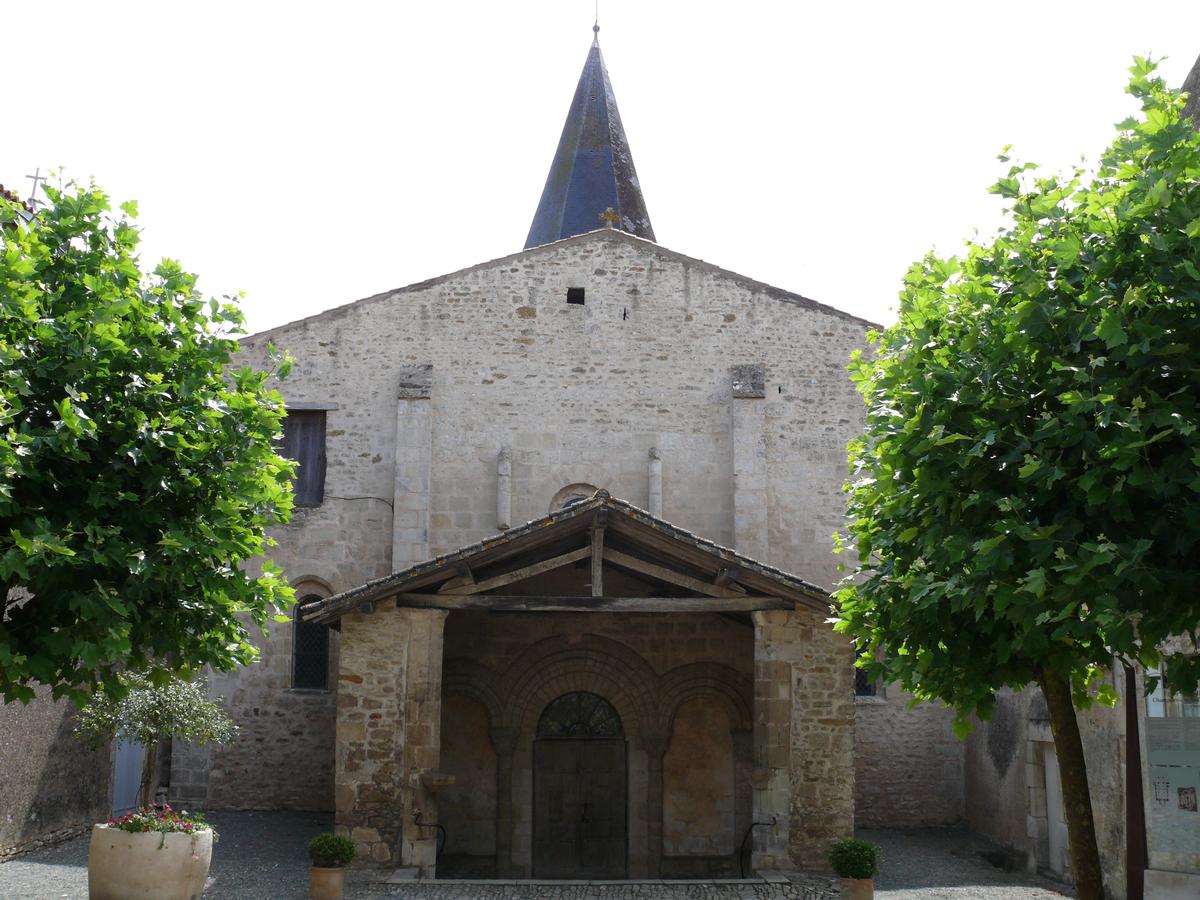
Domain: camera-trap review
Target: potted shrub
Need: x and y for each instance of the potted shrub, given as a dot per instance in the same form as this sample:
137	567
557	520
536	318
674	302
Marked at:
330	854
856	862
150	853
154	851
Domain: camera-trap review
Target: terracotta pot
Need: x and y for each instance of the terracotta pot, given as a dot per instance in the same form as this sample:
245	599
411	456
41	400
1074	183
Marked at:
858	889
148	865
325	884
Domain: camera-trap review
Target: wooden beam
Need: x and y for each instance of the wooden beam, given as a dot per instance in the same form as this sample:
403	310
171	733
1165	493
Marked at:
727	577
668	575
464	578
538	568
598	554
502	602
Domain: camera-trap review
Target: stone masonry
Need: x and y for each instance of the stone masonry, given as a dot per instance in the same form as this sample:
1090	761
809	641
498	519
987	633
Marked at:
721	402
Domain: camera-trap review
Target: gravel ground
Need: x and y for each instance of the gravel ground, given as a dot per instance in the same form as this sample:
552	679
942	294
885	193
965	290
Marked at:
946	865
261	856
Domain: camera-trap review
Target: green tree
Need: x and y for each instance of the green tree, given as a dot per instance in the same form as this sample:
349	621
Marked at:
137	471
144	712
1025	501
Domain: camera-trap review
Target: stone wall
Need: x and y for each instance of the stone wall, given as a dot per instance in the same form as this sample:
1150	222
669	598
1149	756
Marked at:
51	786
1005	780
467	402
890	738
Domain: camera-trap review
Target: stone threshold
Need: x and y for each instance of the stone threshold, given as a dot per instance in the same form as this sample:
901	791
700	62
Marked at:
409	876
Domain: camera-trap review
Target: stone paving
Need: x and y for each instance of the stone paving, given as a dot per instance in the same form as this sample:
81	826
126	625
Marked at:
261	856
799	888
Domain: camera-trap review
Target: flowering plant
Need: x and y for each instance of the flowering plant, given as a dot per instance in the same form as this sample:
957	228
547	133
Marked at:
164	818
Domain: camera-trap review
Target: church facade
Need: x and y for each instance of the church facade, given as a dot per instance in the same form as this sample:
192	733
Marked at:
564	539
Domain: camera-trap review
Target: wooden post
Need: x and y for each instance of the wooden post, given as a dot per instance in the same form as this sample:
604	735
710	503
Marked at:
598	553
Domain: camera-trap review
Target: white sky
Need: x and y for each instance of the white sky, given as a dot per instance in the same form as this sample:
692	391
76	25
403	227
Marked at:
311	154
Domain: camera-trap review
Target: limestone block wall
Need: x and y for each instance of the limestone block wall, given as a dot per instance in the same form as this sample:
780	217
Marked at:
425	387
50	784
389	719
890	738
1005	781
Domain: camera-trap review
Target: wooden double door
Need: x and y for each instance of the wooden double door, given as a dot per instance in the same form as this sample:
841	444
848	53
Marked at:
580	808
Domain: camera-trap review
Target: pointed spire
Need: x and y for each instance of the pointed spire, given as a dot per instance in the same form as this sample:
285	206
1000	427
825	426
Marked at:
1191	84
593	169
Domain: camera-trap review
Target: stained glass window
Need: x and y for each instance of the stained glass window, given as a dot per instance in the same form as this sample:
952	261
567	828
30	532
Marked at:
582	715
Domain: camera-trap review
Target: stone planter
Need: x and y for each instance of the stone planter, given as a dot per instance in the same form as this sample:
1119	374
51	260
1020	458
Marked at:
858	889
325	884
148	865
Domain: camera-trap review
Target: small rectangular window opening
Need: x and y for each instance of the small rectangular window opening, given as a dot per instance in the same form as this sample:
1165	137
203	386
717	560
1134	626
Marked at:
863	685
575	296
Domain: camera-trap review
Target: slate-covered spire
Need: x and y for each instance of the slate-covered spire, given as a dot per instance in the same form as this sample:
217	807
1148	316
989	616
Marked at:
593	169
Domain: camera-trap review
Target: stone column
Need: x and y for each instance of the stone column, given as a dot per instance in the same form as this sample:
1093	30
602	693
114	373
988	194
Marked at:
414	461
748	383
504	489
743	797
505	742
388	734
654	504
656	749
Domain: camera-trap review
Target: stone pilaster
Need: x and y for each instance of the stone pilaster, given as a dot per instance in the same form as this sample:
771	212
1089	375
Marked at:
747	410
656	749
803	739
504	740
388	733
414	461
776	650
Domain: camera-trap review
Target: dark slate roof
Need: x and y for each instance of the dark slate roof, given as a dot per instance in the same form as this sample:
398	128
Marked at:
671	546
592	169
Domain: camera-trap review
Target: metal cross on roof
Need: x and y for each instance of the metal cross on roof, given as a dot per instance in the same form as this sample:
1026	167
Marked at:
610	218
35	177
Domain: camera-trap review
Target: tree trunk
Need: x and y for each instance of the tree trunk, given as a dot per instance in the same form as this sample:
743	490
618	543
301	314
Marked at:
1077	798
146	792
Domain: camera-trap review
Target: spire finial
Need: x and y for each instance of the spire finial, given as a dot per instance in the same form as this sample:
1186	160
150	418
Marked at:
596	27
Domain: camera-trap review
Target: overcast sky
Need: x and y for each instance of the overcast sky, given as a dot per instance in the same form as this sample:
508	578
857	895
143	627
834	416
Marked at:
311	154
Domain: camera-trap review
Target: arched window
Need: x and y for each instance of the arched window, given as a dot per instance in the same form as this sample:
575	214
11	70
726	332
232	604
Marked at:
579	715
310	650
572	494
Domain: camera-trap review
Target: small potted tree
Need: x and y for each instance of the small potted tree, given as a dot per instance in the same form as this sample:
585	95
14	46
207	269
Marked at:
330	854
154	851
856	862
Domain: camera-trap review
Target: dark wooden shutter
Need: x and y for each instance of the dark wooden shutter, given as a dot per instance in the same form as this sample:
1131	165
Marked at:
304	441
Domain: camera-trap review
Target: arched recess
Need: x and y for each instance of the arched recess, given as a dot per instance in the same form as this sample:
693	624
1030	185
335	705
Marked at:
553	667
706	716
467	808
472	679
722	684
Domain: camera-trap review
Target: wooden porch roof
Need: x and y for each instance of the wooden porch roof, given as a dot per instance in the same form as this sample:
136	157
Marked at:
689	573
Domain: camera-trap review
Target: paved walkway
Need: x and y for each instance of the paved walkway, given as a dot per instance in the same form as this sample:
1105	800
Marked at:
261	856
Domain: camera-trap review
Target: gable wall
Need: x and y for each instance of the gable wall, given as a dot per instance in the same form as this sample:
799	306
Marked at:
578	394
